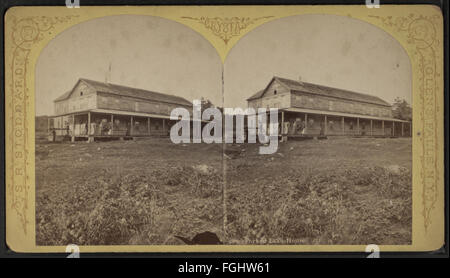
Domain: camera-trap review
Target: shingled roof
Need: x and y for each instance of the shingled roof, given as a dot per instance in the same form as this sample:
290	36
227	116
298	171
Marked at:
257	95
64	96
310	88
130	92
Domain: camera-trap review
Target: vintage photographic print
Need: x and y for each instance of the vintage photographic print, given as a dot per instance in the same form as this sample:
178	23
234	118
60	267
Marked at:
109	153
342	171
224	128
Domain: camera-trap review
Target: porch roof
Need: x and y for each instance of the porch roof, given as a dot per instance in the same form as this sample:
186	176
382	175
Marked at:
340	114
118	112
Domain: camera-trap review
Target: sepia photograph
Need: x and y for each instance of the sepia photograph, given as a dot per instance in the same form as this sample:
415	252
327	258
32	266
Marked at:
109	173
342	173
224	131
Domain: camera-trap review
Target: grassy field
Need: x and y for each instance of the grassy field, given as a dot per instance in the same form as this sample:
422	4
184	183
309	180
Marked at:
336	191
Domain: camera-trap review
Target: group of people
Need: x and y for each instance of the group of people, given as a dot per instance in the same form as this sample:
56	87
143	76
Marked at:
99	127
299	126
296	126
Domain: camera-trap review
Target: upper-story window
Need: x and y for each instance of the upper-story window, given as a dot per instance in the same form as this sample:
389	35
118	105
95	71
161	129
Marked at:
274	92
330	105
81	93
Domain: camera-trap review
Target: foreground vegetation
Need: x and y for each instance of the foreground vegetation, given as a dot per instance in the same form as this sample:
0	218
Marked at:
337	191
131	192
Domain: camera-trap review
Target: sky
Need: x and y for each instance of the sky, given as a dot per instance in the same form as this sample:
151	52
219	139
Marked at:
145	52
329	50
161	55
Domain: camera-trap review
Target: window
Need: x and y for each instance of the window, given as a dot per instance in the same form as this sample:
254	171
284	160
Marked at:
330	105
81	93
274	92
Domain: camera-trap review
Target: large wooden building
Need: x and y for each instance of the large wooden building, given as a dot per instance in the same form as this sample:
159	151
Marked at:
95	109
310	109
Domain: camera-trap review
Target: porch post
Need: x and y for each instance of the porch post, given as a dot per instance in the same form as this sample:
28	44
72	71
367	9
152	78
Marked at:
148	125
402	128
357	125
131	127
393	128
73	128
73	124
306	123
282	122
343	126
382	127
112	124
164	126
325	125
89	123
371	127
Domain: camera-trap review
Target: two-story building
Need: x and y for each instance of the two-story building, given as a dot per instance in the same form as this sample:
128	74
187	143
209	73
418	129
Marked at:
310	109
95	109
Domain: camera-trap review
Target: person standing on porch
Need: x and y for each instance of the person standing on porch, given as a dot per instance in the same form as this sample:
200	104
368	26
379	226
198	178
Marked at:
286	127
298	126
322	128
93	128
84	128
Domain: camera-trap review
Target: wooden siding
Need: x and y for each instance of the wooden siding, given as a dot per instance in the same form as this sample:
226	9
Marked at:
82	98
288	98
332	104
108	101
270	99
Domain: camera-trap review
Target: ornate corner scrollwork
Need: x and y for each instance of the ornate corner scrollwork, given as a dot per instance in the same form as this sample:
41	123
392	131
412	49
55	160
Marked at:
26	32
421	33
226	27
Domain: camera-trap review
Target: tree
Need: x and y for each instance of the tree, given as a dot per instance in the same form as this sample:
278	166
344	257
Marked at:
401	109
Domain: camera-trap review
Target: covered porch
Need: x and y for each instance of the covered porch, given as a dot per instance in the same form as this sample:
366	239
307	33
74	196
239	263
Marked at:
306	122
101	123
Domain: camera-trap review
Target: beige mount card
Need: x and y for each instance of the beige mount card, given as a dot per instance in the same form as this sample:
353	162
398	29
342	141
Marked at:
353	96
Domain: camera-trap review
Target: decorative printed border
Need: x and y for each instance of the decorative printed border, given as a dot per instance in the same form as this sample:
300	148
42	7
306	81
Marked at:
26	32
226	27
421	33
